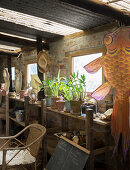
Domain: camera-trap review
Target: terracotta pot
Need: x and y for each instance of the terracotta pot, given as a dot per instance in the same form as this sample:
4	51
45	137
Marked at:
60	105
54	103
76	107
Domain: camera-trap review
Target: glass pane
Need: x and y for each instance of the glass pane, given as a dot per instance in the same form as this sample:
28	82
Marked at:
13	73
32	69
92	80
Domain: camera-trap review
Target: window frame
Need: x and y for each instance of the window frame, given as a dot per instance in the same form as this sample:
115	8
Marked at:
82	52
26	70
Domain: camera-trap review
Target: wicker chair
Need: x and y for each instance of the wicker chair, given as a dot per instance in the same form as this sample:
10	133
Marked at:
2	110
15	152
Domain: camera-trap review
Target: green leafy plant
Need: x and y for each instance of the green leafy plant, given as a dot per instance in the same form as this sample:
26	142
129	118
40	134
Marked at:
78	86
73	88
47	87
51	87
55	85
65	90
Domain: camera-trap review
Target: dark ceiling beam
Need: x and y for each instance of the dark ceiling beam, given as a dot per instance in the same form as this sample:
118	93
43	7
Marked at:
8	53
100	9
9	44
23	31
17	41
58	11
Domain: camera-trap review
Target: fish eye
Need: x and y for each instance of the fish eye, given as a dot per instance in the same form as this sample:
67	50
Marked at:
108	40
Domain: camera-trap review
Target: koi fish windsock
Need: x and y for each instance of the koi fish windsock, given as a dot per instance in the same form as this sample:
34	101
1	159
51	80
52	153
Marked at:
116	68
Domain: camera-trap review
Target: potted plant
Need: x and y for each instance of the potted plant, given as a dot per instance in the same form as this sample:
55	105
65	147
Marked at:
65	91
60	104
48	91
74	89
55	85
51	88
78	90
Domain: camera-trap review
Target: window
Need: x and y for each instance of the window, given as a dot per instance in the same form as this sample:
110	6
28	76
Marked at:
92	80
13	76
31	69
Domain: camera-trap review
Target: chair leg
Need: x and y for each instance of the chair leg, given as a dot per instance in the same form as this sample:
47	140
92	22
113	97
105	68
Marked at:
35	166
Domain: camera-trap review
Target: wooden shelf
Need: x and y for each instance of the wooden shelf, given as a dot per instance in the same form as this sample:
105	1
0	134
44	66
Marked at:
27	104
37	104
96	120
16	99
20	123
2	116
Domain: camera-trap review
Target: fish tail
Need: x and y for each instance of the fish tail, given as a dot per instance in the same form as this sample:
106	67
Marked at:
120	123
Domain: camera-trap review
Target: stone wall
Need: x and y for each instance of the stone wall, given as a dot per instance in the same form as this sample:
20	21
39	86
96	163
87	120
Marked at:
29	55
88	40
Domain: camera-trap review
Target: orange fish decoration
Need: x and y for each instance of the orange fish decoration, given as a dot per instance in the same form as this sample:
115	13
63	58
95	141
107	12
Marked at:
116	68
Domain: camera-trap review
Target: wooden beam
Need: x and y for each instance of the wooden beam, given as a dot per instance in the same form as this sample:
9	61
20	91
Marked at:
7	114
26	99
89	138
41	75
100	9
10	72
8	52
44	141
17	41
85	32
113	1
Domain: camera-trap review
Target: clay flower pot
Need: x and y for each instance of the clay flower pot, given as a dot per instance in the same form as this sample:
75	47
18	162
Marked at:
76	107
54	103
60	105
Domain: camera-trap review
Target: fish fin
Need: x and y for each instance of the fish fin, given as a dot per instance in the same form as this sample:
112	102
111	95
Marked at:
120	124
95	65
101	91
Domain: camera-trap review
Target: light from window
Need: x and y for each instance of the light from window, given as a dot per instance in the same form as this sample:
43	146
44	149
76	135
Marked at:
13	73
92	80
32	69
13	76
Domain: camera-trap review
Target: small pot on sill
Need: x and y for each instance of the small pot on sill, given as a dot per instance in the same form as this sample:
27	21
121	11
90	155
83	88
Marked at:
54	103
60	105
68	107
76	106
48	101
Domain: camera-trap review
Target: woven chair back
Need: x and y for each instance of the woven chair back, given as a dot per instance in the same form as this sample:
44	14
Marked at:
35	131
